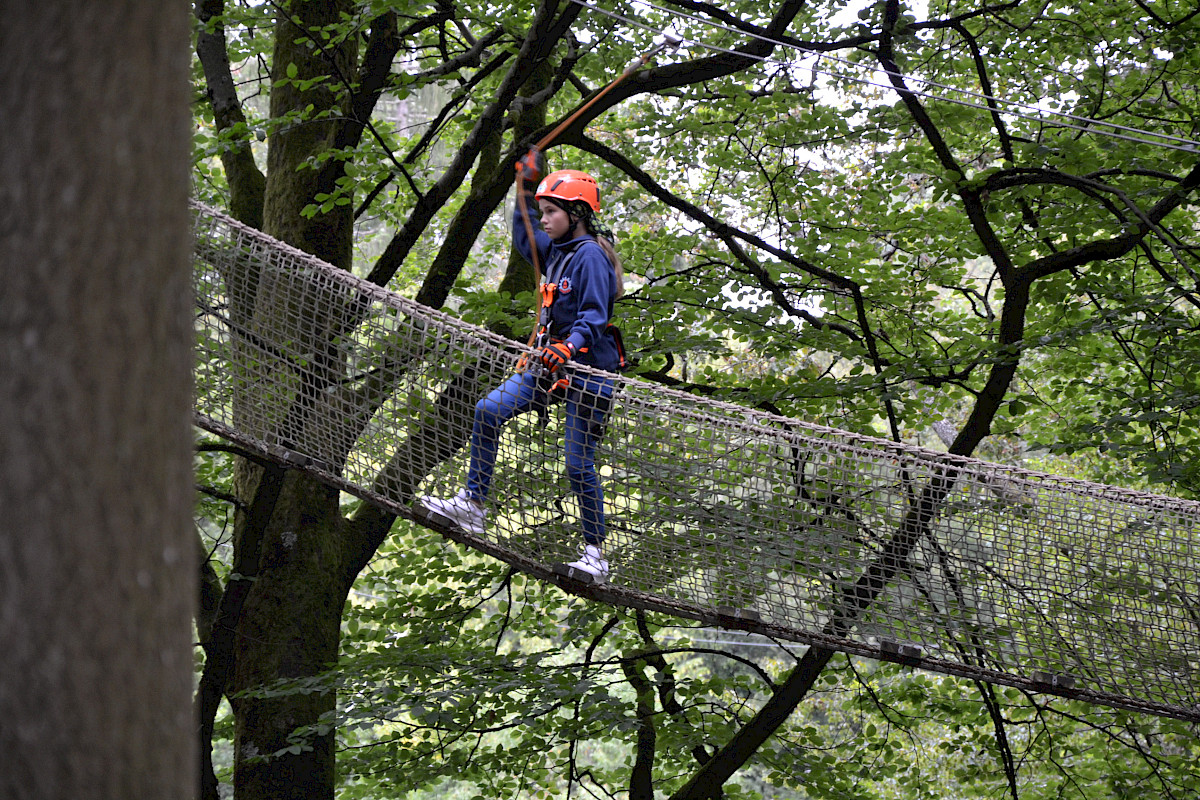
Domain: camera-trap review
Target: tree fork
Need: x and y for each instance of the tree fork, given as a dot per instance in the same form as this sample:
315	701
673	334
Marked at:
706	783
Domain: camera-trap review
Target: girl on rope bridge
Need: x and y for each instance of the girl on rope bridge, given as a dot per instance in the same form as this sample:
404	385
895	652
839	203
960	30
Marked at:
582	278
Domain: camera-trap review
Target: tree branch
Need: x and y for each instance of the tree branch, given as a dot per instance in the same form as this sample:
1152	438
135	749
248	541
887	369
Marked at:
246	181
728	234
972	204
666	686
706	783
641	775
545	31
988	692
374	71
694	72
1116	246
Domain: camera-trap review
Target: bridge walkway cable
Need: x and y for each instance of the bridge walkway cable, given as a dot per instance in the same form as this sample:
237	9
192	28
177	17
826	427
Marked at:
716	512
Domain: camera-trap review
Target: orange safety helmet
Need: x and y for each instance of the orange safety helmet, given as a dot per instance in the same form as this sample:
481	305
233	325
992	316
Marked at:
569	185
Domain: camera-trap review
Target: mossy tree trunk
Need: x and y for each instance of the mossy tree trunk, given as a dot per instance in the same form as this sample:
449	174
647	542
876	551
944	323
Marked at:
290	622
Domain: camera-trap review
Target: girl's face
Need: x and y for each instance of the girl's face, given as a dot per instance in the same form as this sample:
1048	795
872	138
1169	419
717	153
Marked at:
555	222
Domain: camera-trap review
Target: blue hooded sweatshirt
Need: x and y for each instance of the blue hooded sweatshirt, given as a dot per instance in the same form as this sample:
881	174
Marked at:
587	289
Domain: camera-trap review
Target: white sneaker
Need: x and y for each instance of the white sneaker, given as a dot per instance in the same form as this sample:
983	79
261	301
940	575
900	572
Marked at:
592	562
460	509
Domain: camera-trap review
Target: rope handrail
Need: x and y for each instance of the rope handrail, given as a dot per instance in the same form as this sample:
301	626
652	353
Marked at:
716	512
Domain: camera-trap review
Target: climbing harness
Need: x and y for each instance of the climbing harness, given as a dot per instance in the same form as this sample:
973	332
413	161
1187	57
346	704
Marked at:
541	335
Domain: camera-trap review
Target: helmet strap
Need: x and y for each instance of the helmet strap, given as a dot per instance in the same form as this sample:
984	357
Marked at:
573	218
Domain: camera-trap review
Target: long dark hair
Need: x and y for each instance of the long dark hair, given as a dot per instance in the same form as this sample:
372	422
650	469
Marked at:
604	237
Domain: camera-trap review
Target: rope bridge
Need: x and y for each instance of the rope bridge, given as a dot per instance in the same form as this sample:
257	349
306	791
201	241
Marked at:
716	512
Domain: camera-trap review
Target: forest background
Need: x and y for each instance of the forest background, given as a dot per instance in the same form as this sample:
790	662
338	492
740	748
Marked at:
970	226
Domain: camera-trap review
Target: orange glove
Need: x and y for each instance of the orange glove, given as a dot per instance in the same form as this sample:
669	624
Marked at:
529	169
555	355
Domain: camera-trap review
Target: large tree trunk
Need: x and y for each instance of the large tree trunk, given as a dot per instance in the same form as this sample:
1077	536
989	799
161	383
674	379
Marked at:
290	629
290	624
97	563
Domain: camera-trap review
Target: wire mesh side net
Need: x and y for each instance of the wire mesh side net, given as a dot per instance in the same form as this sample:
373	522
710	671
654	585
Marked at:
714	511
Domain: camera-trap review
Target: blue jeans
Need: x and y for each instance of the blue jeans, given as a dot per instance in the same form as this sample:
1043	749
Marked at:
588	400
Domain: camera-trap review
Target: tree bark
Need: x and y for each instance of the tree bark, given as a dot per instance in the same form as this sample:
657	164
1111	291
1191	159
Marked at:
289	622
97	555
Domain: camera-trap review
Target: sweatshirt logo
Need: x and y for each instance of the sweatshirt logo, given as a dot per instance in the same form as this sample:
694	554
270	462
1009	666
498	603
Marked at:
564	286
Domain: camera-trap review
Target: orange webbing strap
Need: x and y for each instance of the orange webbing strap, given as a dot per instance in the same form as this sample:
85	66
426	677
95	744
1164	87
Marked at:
548	290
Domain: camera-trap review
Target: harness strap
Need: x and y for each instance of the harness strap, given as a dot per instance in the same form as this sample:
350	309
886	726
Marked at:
541	335
549	291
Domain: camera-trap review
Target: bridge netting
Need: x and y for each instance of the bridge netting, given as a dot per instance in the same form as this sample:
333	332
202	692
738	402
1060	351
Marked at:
716	512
